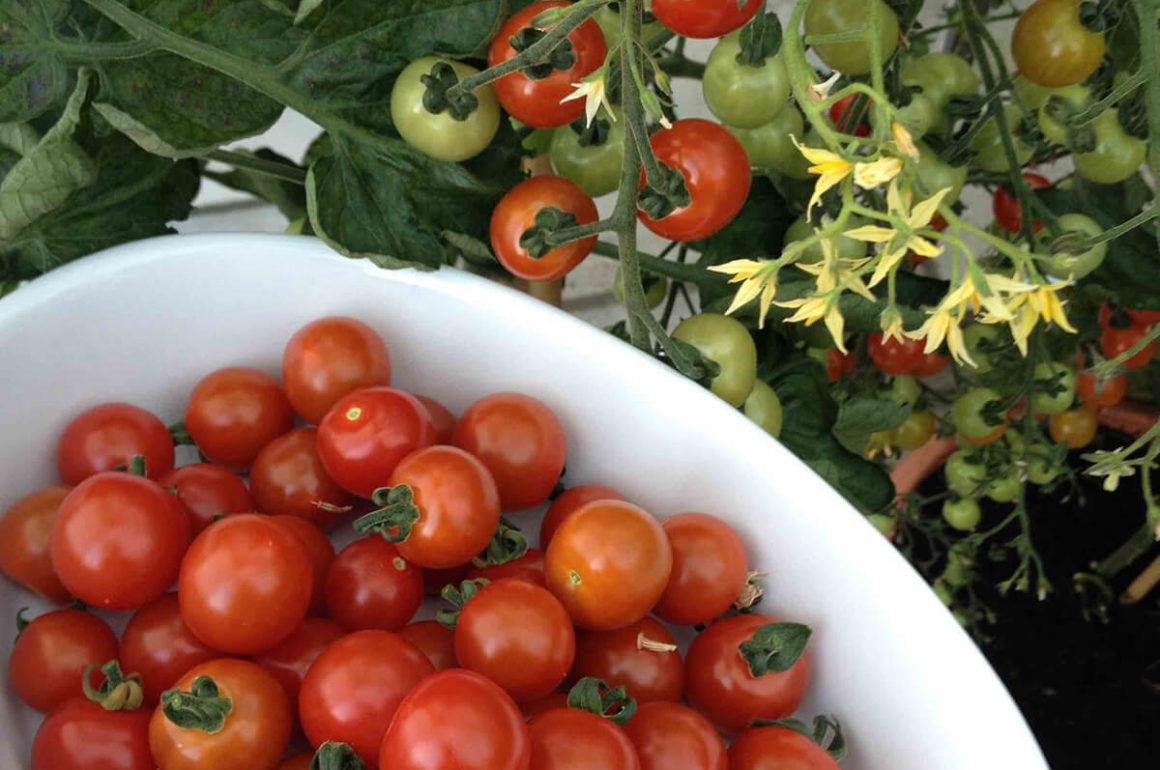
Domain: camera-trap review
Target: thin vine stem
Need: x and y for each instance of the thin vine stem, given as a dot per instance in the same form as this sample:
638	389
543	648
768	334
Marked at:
272	168
1114	97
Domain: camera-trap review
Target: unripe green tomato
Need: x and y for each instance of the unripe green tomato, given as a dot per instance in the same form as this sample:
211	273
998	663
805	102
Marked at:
610	24
596	168
990	154
442	136
941	77
830	17
962	476
741	95
844	248
934	174
963	514
958	570
879	441
915	431
1117	155
1004	489
917	117
1040	469
1031	94
727	342
1050	372
1064	265
968	408
902	390
980	341
1078	96
770	148
655	288
882	522
1014	441
763	407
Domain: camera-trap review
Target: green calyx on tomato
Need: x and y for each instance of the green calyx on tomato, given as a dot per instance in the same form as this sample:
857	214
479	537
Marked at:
202	708
1068	262
774	647
334	755
560	59
1056	111
395	517
740	94
1052	388
452	130
1005	488
942	77
117	691
834	17
589	155
458	597
506	545
1115	156
541	237
978	412
727	343
763	407
596	697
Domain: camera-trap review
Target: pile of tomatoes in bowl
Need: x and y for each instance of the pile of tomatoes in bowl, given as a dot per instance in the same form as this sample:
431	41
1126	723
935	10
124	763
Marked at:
557	657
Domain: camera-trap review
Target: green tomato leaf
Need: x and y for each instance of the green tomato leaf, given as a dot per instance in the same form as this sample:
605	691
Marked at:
33	75
290	198
859	417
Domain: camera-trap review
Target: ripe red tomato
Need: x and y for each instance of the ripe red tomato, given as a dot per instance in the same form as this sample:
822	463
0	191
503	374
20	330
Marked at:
1008	212
719	684
207	492
520	441
1075	427
320	551
709	569
529	568
51	654
329	358
930	364
254	733
762	748
25	530
515	214
434	640
234	412
110	435
564	505
353	689
641	657
842	116
893	357
717	176
83	735
1143	318
669	736
1115	341
1109	394
839	364
457	504
118	540
289	661
287	477
555	700
245	584
608	564
160	647
704	18
538	103
441	418
371	586
457	720
365	435
570	739
518	636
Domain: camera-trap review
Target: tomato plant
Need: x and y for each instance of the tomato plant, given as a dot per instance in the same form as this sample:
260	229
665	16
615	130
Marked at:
1053	388
52	653
1076	428
1068	266
108	436
518	213
328	359
1096	393
159	646
232	413
592	156
895	357
1114	342
770	146
977	414
847	115
1008	212
641	657
207	492
25	531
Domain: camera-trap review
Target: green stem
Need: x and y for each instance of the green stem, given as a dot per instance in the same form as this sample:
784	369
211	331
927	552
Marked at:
624	214
83	51
1133	548
569	234
283	171
1143	218
1093	111
681	67
676	270
877	80
801	77
849	36
1148	65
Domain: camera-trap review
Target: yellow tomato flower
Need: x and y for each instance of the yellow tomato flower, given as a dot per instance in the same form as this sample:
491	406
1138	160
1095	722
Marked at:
592	90
944	325
757	278
901	240
903	140
830	167
891	322
878	172
819	91
1042	303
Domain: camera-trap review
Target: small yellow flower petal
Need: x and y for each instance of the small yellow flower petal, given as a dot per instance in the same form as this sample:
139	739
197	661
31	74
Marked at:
591	89
742	268
892	325
903	140
924	211
879	172
886	264
923	248
836	324
767	297
870	234
957	345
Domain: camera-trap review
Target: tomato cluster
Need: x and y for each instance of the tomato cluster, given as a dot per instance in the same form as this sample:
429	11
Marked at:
269	630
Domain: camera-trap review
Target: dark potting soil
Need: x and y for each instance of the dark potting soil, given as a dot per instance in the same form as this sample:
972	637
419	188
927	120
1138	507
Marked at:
1089	689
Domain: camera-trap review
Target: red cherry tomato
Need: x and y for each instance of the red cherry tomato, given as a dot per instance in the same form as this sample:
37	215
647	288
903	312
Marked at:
245	584
118	540
931	364
762	748
1144	318
538	103
704	19
108	436
287	477
234	412
83	735
297	762
207	492
457	504
289	661
160	647
1109	394
320	551
457	720
520	441
441	418
529	568
515	214
719	685
1115	341
608	564
371	586
25	530
254	733
555	700
570	739
839	364
329	358
518	636
564	505
709	569
641	657
893	357
434	640
669	736
717	176
365	435
1008	212
353	689
842	116
51	654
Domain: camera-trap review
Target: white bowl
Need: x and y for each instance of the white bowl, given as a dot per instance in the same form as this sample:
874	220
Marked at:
142	323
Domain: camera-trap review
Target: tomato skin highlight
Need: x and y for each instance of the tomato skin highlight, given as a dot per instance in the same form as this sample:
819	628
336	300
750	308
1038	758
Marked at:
669	736
517	635
516	213
709	569
51	654
434	640
289	661
207	492
159	646
328	359
703	19
245	584
620	658
770	748
110	435
457	720
568	502
287	477
719	685
234	412
717	176
371	586
118	540
82	735
355	687
25	532
570	739
537	103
